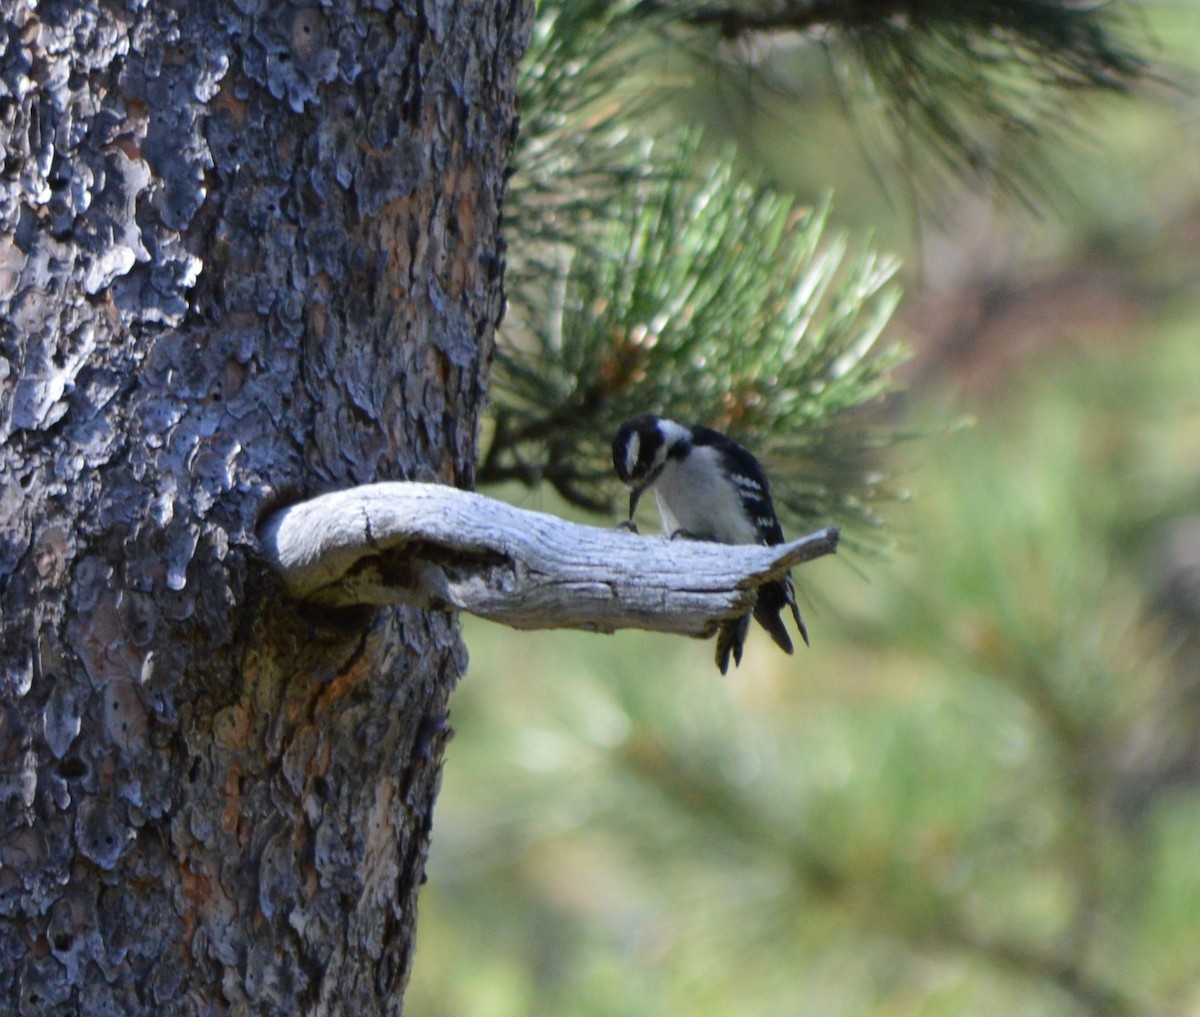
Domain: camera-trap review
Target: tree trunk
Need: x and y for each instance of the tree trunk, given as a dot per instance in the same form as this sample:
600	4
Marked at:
249	252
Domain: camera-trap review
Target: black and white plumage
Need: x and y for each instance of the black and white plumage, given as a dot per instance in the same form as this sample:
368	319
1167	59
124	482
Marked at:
708	487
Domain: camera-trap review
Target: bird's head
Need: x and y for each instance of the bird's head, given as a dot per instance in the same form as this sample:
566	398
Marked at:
641	450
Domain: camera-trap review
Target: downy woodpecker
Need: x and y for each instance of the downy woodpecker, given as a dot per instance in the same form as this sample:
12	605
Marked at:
708	487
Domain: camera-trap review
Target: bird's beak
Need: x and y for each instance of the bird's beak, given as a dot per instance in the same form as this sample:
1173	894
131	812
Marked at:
634	494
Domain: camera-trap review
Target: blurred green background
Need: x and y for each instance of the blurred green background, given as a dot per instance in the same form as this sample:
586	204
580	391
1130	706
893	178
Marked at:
979	791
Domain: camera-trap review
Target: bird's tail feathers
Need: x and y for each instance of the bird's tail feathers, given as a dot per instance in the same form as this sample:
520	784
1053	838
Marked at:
768	612
796	613
772	597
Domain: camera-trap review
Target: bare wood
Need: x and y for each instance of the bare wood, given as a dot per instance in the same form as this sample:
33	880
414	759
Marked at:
427	545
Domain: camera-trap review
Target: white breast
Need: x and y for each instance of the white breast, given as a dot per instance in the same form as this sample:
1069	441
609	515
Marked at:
692	495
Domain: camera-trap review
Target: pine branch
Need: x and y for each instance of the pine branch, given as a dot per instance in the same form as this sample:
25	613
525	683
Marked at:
974	90
1062	42
1063	25
647	278
711	301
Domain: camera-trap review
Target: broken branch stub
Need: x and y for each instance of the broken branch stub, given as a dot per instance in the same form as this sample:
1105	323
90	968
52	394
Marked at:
431	546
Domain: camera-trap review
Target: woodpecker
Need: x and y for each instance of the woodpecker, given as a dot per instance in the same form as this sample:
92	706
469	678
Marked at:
708	487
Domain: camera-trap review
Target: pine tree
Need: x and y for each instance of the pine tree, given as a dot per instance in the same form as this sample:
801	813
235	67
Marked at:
251	252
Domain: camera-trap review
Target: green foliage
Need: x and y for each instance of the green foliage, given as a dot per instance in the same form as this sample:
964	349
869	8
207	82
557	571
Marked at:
718	303
650	277
648	274
976	91
579	141
981	89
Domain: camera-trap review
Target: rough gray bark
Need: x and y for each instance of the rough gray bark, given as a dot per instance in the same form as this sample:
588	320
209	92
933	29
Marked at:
249	251
428	545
